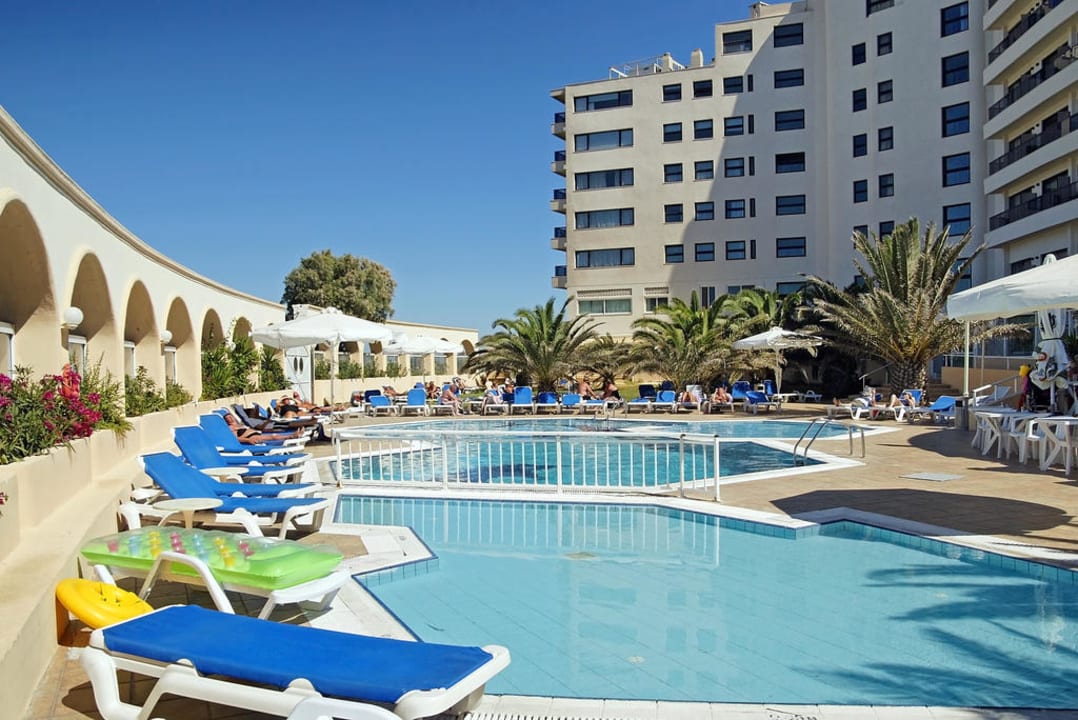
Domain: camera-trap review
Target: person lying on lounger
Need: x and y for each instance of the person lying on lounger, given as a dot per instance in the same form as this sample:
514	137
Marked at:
250	436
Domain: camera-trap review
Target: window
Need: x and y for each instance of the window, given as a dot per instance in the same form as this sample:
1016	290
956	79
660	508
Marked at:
789	288
885	91
885	139
789	34
956	119
883	44
957	217
789	120
604	218
739	41
603	140
7	349
735	249
955	69
701	89
76	353
789	78
858	52
860	145
965	278
733	85
954	19
705	252
874	6
672	132
862	229
674	254
705	211
790	162
886	185
604	179
790	247
704	170
735	209
703	129
790	205
587	103
672	173
886	227
733	126
707	295
860	191
860	99
673	213
671	93
956	169
733	167
609	306
651	304
614	257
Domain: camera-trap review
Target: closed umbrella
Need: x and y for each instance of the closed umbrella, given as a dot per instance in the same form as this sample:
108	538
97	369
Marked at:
778	340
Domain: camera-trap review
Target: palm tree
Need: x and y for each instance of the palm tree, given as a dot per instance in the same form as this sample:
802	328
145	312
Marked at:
763	309
536	346
604	356
682	342
898	316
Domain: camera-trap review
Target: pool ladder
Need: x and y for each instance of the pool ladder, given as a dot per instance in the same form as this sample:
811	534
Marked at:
813	431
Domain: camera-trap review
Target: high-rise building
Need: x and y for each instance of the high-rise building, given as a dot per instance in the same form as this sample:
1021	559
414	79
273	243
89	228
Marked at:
814	119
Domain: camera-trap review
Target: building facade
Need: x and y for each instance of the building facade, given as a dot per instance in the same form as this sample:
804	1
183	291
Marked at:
812	121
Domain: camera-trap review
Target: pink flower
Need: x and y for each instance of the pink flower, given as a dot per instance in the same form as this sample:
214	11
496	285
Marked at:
5	382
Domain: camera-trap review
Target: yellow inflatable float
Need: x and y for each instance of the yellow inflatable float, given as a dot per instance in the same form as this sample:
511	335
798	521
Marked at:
99	604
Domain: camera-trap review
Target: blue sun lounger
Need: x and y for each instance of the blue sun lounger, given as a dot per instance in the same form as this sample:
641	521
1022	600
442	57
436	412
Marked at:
271	667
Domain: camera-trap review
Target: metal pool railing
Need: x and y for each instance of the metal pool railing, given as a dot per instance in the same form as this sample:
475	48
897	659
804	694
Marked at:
555	461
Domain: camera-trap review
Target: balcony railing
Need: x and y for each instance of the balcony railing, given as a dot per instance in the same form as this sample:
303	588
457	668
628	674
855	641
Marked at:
559	271
1044	201
559	193
559	231
1028	83
559	117
1021	27
1049	134
559	156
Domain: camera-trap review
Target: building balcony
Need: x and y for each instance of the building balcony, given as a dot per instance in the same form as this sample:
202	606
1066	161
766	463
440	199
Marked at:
1021	27
557	204
558	127
1034	142
559	281
1046	200
559	241
1028	83
558	166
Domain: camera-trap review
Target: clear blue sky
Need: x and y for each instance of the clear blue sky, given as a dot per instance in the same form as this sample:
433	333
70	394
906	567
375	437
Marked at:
238	137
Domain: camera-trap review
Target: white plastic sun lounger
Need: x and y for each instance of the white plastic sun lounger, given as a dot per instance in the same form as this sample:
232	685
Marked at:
272	668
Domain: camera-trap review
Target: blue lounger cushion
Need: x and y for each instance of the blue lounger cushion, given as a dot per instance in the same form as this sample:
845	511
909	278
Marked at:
337	664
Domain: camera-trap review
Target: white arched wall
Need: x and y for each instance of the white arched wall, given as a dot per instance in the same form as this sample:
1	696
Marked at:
140	328
27	299
89	291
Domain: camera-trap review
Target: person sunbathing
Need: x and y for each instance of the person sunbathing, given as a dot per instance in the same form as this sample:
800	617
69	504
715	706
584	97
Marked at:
449	397
493	396
250	436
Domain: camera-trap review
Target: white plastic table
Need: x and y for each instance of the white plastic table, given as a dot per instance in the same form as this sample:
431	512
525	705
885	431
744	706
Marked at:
225	471
187	506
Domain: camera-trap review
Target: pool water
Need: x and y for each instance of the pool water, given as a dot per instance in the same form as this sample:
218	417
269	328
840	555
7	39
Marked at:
649	603
770	429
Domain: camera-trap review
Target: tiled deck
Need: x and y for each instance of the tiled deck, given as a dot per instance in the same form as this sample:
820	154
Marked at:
1018	505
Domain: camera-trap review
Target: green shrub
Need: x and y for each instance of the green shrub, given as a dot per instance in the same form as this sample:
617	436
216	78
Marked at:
141	395
322	369
394	369
348	370
176	394
100	383
370	369
226	370
270	371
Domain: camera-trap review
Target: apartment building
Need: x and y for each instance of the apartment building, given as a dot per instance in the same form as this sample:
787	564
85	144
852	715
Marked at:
811	120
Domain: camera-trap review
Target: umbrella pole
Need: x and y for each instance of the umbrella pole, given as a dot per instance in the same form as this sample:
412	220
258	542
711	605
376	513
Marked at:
965	366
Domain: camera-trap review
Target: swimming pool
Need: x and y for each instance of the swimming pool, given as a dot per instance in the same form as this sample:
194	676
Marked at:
644	602
771	429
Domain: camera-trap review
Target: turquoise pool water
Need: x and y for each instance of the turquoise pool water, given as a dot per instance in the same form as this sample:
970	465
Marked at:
642	602
764	429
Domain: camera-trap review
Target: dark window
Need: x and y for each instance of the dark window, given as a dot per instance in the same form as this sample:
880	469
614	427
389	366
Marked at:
735	249
733	167
860	99
860	145
672	173
874	6
790	247
675	253
956	119
752	119
652	304
860	191
602	101
733	85
605	258
789	78
739	41
671	93
790	162
703	129
886	186
733	126
958	217
735	209
789	288
604	179
789	120
603	140
604	218
672	132
705	252
883	44
790	205
858	52
885	91
956	169
705	211
954	19
674	213
707	295
704	170
701	88
886	227
752	165
955	69
863	229
789	34
885	139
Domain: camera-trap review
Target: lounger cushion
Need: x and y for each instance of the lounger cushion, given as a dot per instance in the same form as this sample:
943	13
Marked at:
336	664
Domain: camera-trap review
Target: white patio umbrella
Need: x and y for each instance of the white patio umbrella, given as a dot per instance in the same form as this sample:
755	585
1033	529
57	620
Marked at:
421	345
778	340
